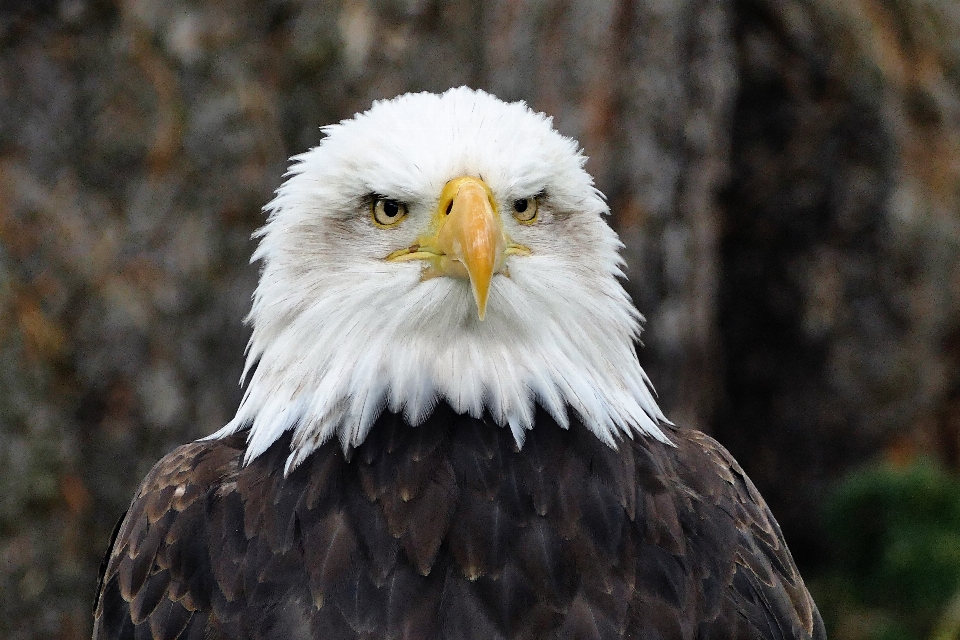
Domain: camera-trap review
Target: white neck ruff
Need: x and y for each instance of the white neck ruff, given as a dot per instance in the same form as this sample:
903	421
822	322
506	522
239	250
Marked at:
340	335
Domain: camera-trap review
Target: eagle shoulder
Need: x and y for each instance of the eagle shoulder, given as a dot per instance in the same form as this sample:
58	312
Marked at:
749	585
156	578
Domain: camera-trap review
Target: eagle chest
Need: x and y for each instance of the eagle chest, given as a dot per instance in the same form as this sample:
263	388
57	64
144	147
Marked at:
448	529
441	530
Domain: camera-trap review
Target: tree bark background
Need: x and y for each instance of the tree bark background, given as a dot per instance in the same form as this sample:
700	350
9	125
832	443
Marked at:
784	174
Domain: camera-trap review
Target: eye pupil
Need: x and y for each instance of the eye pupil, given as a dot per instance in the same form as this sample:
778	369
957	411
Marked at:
388	212
525	209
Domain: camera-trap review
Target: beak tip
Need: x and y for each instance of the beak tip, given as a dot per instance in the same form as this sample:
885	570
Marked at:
481	308
480	284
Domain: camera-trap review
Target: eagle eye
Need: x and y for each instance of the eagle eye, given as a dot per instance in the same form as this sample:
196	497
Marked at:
388	212
525	209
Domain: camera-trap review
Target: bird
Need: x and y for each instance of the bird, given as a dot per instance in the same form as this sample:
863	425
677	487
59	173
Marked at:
445	430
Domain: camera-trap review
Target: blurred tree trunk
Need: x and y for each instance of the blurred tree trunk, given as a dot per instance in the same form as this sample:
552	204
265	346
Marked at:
782	173
838	305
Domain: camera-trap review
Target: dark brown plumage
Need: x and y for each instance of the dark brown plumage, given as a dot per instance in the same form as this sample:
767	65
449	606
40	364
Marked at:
445	530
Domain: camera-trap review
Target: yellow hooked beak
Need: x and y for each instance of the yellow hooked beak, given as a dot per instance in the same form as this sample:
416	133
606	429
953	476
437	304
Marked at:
468	239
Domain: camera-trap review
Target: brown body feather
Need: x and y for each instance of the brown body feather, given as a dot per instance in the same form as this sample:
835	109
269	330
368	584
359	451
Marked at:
445	530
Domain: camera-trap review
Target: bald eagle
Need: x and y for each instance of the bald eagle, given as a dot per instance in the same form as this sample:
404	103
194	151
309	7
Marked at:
446	432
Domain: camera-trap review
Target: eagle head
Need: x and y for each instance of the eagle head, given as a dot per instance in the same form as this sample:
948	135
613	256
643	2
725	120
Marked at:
440	248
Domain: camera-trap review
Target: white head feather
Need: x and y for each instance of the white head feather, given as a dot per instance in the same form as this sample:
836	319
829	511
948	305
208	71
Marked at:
340	334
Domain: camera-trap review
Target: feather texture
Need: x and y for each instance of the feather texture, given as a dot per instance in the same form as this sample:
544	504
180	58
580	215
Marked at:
446	530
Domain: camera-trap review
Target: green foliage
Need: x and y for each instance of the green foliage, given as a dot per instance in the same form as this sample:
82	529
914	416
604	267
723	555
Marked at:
896	531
